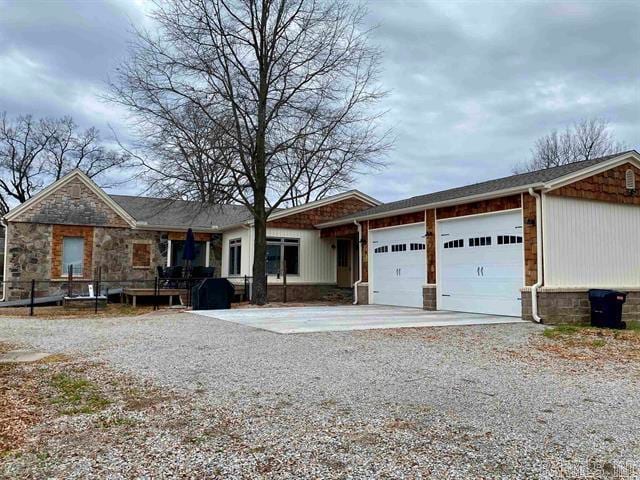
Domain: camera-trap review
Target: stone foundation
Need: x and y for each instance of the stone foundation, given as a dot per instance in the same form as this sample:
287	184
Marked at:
310	293
363	294
429	297
573	306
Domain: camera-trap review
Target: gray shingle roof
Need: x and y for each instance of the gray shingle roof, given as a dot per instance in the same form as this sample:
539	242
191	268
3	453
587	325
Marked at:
181	213
497	185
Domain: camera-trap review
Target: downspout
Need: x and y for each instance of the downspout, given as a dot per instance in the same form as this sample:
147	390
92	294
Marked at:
538	284
4	263
359	281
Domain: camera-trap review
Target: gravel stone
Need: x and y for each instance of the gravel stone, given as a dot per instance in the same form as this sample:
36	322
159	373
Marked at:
450	402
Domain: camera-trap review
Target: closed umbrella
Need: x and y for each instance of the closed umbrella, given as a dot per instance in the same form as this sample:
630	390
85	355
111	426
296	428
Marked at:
189	251
188	254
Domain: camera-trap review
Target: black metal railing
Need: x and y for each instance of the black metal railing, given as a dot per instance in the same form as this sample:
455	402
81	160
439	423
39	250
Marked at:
98	291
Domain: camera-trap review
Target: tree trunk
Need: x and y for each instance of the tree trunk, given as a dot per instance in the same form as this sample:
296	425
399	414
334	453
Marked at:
259	292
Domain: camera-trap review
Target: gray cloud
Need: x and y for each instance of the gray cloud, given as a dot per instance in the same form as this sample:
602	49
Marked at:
473	84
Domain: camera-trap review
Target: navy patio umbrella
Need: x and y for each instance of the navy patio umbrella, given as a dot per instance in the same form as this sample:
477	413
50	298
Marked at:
189	251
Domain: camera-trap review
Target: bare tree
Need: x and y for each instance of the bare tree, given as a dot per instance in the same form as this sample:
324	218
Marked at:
288	87
36	152
586	139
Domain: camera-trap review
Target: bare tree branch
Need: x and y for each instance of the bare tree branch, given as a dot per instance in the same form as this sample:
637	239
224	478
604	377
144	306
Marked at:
257	102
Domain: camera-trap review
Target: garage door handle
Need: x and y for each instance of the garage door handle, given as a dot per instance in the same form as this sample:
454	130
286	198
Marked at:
482	271
478	271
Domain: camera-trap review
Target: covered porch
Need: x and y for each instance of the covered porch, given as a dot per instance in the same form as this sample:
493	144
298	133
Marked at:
347	253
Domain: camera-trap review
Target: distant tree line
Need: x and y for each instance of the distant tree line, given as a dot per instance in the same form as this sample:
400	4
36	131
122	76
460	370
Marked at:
36	152
583	140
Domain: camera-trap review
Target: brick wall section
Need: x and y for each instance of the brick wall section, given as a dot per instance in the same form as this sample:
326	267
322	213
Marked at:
608	186
309	218
431	246
72	204
58	232
141	255
530	239
483	206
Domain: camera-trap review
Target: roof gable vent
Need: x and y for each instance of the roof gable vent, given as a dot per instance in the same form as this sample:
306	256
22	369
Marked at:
630	179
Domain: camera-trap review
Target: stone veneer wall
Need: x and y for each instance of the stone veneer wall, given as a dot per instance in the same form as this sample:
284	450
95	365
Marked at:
363	294
572	306
310	293
28	258
429	298
113	250
72	204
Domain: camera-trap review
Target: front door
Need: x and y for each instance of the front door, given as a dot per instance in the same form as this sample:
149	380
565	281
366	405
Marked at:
344	263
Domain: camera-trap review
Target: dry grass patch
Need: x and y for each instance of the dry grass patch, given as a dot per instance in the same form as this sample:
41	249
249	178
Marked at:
582	347
56	312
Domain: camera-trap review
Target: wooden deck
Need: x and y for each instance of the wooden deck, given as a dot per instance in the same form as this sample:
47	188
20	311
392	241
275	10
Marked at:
134	293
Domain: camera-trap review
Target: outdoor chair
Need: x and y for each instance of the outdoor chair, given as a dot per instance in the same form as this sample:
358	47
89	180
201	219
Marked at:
169	277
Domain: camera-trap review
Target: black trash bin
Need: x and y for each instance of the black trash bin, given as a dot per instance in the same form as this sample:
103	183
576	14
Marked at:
212	294
606	308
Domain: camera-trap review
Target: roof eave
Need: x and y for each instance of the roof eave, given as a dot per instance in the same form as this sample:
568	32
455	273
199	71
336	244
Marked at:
446	203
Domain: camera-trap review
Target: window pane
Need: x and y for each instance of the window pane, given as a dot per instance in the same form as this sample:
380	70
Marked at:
72	254
238	257
177	247
273	259
291	257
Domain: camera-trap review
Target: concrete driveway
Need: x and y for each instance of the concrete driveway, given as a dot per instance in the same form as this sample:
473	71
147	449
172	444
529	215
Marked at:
345	318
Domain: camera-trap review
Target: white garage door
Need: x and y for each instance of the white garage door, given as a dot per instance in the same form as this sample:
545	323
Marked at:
397	265
480	263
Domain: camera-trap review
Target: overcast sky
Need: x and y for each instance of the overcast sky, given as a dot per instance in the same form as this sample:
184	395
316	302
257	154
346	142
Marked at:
472	84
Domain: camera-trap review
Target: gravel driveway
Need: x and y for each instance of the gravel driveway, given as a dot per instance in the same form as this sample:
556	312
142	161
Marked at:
454	402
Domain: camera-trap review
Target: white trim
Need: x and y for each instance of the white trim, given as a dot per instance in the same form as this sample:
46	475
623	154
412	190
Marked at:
175	228
75	174
396	226
630	157
206	253
168	252
324	201
429	206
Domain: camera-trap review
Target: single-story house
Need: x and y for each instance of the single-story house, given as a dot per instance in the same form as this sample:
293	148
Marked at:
74	222
527	245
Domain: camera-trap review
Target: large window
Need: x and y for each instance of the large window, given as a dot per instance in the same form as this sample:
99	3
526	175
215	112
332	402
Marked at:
72	255
177	249
281	251
235	254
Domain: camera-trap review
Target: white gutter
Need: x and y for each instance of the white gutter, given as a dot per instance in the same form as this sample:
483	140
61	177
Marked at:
538	284
428	206
359	281
4	263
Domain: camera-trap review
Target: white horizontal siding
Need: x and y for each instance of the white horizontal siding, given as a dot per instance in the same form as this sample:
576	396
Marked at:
317	258
591	244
